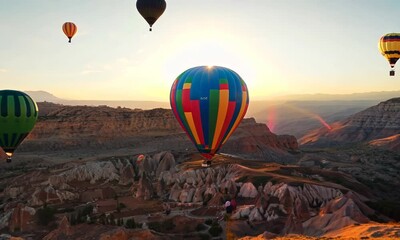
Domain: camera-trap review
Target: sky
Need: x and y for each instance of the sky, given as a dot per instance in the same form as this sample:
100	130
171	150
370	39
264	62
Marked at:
278	47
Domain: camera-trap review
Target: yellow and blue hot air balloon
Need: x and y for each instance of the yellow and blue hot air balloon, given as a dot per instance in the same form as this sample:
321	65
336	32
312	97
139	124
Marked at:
389	45
209	103
18	115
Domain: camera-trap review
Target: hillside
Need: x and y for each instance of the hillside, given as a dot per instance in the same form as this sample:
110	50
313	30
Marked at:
377	122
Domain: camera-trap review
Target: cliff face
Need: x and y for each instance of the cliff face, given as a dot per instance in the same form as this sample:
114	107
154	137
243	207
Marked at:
79	127
380	121
102	121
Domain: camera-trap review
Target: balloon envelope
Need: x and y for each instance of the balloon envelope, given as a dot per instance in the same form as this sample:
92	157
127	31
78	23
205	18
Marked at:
18	115
389	46
69	29
209	103
151	10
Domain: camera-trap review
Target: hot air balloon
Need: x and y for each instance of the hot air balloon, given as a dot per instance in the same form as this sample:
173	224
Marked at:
389	45
69	29
151	10
209	103
18	115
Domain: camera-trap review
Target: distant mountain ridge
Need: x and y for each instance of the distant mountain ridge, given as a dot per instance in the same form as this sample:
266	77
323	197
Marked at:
378	122
379	95
43	96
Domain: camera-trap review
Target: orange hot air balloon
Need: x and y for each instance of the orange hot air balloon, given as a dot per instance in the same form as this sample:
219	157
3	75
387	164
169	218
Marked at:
69	29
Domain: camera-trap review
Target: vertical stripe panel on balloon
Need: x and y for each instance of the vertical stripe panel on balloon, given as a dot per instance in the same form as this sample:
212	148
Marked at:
3	106
243	109
186	98
222	110
67	29
36	109
235	94
213	107
197	119
173	104
13	141
228	119
17	105
189	118
5	138
181	113
29	107
24	107
204	97
10	106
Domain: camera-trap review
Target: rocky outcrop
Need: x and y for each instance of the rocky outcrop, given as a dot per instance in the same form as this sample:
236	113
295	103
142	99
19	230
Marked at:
84	127
337	214
248	191
63	231
21	218
380	121
49	195
145	188
92	171
390	143
256	139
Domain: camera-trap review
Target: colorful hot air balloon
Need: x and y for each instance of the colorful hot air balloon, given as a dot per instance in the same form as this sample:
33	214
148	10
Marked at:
151	10
389	45
18	115
209	103
69	29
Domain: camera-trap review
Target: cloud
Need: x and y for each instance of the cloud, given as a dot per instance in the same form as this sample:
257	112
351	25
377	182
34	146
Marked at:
3	70
115	65
90	71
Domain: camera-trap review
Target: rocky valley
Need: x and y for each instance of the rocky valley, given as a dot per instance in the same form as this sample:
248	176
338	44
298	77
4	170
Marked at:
116	173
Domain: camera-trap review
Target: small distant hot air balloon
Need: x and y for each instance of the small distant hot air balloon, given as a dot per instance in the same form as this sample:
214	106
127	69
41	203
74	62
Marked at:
18	115
151	10
389	45
69	29
209	103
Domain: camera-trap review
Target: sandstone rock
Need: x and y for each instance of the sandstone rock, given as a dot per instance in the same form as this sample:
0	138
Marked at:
118	234
377	122
256	214
145	188
13	192
127	175
198	194
64	229
58	181
248	190
166	163
93	172
21	218
337	213
175	192
242	212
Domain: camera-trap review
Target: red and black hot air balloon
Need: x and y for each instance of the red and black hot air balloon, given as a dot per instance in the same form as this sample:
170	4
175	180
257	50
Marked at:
151	10
69	29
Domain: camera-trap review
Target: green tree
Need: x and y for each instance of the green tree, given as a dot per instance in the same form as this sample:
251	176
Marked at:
130	223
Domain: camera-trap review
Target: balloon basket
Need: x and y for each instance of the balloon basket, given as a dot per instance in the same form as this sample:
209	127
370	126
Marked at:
206	163
391	73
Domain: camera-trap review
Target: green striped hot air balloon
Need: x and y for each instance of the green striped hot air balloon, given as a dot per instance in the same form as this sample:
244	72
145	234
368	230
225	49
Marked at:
18	115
